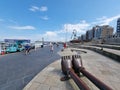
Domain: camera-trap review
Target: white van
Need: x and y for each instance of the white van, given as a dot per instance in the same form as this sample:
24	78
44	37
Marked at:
38	44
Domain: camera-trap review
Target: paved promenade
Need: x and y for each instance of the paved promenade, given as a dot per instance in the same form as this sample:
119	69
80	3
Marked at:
105	69
49	79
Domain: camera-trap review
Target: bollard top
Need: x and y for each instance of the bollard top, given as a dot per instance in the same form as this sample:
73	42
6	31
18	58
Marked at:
67	52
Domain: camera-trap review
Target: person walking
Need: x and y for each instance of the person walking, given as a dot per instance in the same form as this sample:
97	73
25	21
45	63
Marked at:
27	49
51	47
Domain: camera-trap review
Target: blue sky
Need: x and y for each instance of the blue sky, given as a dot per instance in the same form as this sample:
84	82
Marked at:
51	19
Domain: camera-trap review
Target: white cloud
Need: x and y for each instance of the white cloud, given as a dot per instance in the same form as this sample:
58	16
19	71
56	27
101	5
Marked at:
53	36
109	20
36	8
106	21
50	34
43	8
101	18
44	17
79	27
22	27
60	35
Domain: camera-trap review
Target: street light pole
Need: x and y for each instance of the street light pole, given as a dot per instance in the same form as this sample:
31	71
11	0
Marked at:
66	39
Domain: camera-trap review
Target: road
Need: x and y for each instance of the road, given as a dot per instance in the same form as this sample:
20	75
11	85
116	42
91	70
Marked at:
17	69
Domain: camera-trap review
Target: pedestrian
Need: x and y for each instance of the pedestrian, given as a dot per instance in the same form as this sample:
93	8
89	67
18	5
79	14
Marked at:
51	47
27	49
64	45
36	47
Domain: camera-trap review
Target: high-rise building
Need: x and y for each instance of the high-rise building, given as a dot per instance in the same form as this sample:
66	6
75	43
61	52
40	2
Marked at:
107	31
118	27
89	35
97	32
104	31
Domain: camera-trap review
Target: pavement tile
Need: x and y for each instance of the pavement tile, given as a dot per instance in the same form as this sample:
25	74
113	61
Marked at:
69	85
43	87
34	86
40	79
52	81
55	88
116	86
102	67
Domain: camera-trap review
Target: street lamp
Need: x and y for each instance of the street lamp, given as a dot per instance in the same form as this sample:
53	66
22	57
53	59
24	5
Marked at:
66	36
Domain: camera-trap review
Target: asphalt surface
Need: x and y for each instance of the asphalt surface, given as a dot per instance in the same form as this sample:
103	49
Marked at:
17	69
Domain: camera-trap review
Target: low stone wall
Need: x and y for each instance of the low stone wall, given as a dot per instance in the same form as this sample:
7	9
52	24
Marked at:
115	41
108	54
105	53
111	47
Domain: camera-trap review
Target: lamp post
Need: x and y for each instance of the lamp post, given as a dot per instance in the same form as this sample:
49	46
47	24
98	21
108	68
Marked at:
66	36
65	44
42	42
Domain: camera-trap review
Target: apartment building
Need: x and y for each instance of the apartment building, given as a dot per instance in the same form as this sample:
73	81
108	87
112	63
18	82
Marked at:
102	32
106	32
118	27
97	32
